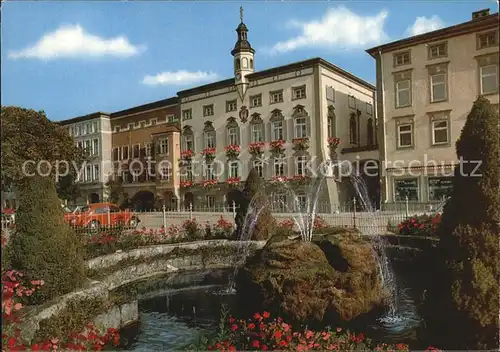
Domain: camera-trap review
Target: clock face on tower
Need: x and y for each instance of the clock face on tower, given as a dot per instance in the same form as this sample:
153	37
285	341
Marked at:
238	76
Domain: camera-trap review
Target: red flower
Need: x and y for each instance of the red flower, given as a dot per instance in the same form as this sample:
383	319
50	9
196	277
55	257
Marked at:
251	326
264	348
277	335
231	320
266	315
283	343
255	343
234	327
257	316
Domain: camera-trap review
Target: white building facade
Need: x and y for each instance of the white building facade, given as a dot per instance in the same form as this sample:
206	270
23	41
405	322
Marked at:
93	134
426	86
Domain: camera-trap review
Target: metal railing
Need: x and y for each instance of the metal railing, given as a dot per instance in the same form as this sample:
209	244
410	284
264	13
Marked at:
347	215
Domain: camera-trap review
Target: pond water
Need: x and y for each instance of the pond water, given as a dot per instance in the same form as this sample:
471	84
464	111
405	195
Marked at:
180	317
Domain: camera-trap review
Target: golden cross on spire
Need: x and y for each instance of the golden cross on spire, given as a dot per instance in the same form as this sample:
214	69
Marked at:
241	14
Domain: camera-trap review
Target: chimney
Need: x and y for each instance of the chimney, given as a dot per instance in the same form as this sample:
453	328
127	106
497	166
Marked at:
481	13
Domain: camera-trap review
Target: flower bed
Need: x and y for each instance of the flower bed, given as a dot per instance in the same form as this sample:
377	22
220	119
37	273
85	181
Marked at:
109	242
263	333
232	151
13	291
256	149
319	224
423	225
277	147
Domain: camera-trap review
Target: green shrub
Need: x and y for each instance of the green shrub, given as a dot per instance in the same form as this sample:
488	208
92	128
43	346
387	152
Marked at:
463	304
43	246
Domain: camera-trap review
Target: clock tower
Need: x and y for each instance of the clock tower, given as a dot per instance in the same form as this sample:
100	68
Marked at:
243	54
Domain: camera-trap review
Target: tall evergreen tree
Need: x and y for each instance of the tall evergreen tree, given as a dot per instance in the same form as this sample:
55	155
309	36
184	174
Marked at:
253	194
464	303
43	246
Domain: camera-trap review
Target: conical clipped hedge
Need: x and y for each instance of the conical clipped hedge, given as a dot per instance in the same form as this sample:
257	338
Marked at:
43	246
464	304
254	194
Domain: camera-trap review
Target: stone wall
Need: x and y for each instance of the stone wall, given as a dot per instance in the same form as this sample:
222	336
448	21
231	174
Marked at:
123	268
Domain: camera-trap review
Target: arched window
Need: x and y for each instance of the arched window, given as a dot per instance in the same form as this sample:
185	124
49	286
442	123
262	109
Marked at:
370	132
244	62
353	130
251	63
237	64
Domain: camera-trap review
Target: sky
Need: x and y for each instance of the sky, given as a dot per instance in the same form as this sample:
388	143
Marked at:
74	58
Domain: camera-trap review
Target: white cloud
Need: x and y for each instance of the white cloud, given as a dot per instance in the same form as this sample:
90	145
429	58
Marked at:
423	24
339	28
179	78
72	41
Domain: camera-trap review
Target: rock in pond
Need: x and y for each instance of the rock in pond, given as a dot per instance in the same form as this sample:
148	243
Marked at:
333	279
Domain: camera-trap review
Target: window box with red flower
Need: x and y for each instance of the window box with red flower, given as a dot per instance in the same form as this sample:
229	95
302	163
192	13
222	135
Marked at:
333	143
187	155
300	179
209	154
233	181
256	149
208	183
300	143
186	184
278	180
277	147
232	151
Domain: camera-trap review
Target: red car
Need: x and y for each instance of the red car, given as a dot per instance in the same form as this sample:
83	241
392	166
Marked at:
98	215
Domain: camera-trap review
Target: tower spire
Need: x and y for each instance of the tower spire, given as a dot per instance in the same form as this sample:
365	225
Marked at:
241	14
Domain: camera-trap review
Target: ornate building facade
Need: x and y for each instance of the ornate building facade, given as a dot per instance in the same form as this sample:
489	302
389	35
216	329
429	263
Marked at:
281	121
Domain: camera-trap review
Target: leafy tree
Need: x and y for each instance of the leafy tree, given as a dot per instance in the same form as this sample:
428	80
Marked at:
43	246
67	188
115	191
465	298
28	135
253	198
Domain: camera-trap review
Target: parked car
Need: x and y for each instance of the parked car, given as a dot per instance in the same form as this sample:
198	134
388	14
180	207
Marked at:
98	215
